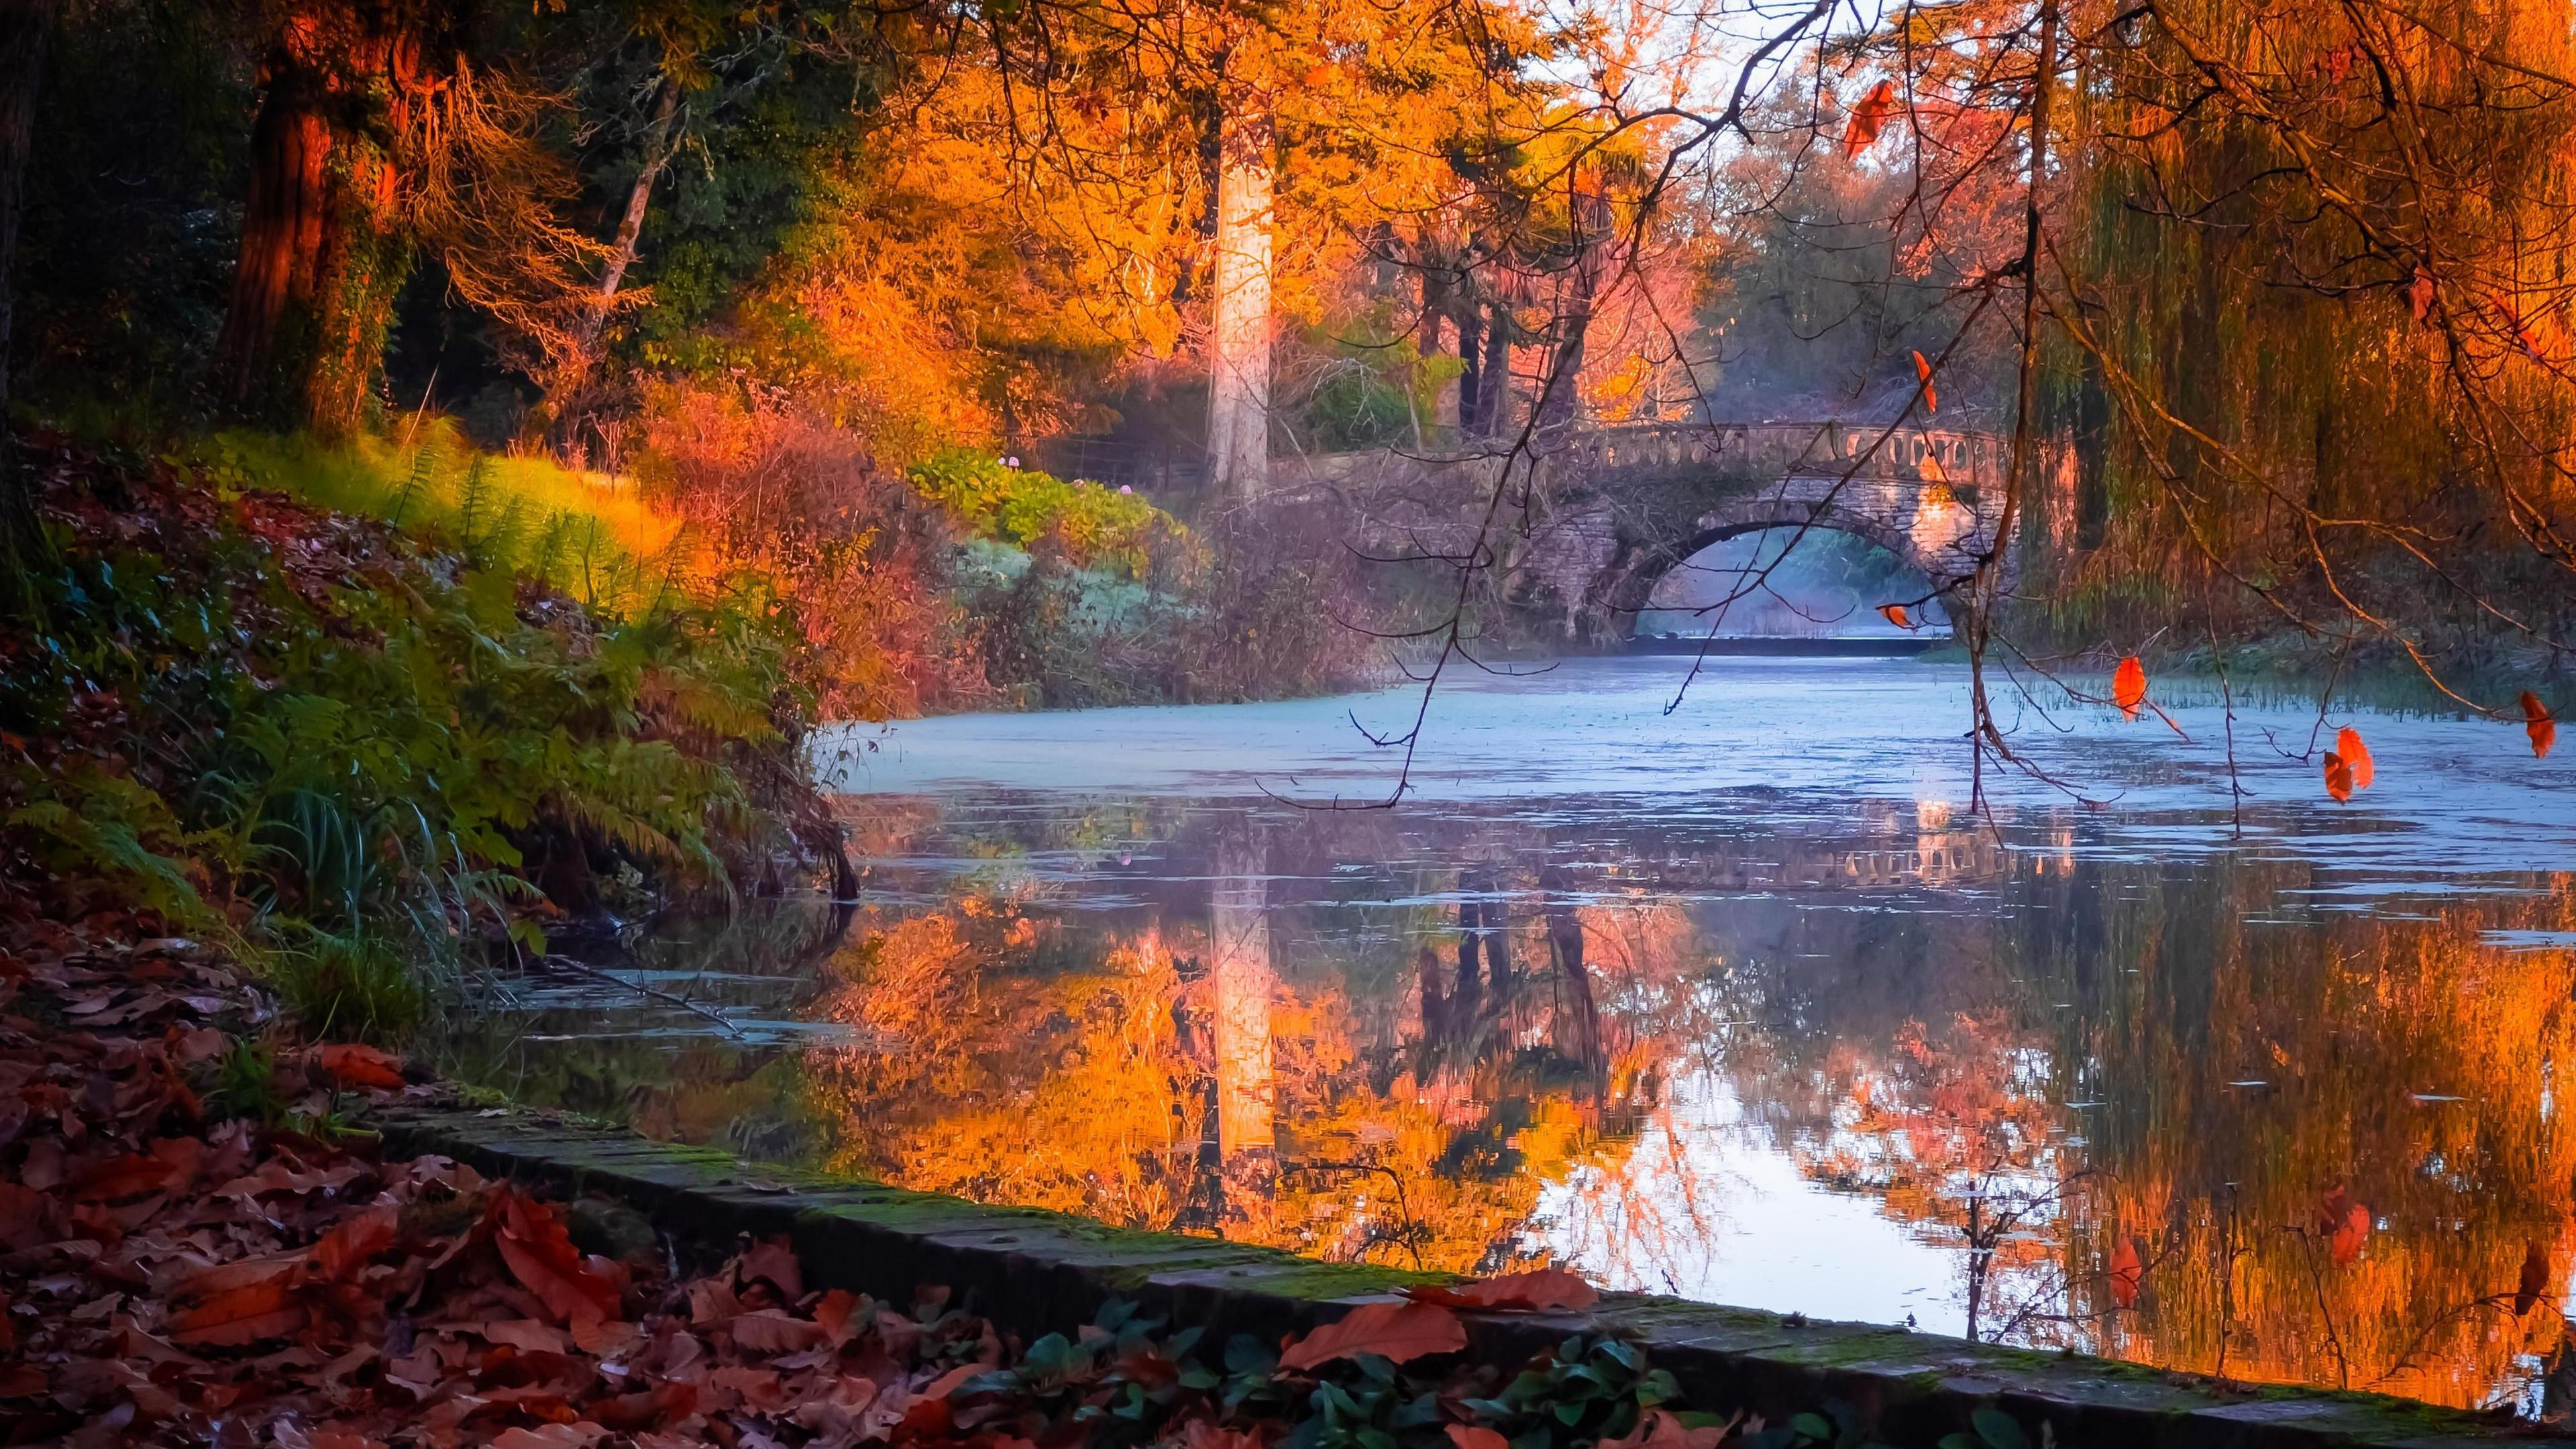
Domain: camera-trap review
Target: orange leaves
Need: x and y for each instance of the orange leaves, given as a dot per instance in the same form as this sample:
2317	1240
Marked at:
1541	1291
1661	1429
541	1256
1868	118
2419	296
1399	1332
347	1248
2356	756
2537	722
1896	614
2338	777
1923	375
2129	686
2344	1224
2128	1272
352	1065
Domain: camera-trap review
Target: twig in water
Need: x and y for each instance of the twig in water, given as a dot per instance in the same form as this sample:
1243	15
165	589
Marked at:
583	968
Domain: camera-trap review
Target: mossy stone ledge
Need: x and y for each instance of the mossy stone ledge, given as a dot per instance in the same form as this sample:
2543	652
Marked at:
1033	1271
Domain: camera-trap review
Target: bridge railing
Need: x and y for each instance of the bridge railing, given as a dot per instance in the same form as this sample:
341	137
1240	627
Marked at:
1933	455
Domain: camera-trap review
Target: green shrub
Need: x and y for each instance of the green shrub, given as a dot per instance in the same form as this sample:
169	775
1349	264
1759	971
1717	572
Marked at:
1094	526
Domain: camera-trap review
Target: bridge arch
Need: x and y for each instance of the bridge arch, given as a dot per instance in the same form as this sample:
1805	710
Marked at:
1926	542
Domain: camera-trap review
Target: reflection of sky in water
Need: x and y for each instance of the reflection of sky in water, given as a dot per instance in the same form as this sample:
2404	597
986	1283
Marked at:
2452	796
1808	944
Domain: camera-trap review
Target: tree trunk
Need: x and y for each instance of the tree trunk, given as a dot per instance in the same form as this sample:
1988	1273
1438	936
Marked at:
25	26
1239	380
1561	401
321	254
568	390
1494	378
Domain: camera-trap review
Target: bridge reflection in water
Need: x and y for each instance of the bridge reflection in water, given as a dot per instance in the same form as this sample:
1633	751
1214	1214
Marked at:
2014	1086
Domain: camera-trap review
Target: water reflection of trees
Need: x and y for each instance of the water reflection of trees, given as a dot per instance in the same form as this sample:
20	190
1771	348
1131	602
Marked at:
1453	1058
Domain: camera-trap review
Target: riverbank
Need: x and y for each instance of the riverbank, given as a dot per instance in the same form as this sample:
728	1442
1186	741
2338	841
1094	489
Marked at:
313	1248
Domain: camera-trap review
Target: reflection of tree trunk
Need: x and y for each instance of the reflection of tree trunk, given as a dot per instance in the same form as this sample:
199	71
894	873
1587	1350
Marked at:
1239	378
1242	984
1565	943
1435	998
1468	1000
1498	947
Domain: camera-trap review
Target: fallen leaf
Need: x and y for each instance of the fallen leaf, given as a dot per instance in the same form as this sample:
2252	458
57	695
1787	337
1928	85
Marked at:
118	1178
2129	686
949	1382
1923	375
353	1065
527	1335
347	1248
551	1436
2356	757
2538	723
1658	1429
1896	615
770	1331
775	1263
654	1408
1540	1291
541	1256
1399	1332
2338	776
245	1313
1868	118
2128	1272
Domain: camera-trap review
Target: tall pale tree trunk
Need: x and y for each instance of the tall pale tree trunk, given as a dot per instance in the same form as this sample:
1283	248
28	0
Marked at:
568	390
1239	351
25	27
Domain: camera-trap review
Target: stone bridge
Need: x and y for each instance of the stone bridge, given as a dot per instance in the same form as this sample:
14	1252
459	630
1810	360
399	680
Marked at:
1607	513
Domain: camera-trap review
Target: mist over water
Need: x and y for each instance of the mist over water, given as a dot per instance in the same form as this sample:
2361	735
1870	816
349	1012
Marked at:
1781	583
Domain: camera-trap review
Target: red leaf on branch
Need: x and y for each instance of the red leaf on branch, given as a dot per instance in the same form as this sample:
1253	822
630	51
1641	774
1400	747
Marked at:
2534	1284
2346	1226
2128	1271
1400	1332
2419	296
2537	722
2338	777
1931	394
353	1065
1868	117
2356	757
2129	686
1896	615
1539	1291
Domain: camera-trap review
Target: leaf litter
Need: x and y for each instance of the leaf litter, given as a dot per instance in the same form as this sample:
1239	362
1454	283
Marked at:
194	1248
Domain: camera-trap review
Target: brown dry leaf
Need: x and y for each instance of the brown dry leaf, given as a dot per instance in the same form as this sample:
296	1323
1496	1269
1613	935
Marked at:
1539	1291
353	1065
2356	757
1868	118
774	1262
541	1256
132	1175
654	1408
527	1335
240	1314
347	1248
1399	1332
2129	686
575	1435
770	1331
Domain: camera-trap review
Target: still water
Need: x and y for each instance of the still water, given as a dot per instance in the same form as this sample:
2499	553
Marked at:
1738	1000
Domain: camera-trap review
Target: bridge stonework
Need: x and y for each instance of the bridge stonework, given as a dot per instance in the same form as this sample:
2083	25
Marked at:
1611	511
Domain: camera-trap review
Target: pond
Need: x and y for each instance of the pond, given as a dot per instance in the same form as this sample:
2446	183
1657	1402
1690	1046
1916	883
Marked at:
1738	1000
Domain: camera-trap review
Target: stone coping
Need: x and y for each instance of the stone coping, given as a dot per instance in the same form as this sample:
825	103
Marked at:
1032	1271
